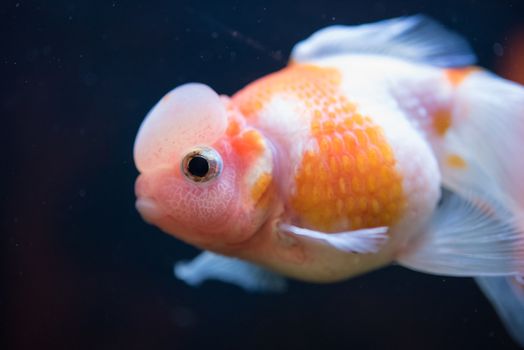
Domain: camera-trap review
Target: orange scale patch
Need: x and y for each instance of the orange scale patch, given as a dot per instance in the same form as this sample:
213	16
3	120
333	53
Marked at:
299	80
351	182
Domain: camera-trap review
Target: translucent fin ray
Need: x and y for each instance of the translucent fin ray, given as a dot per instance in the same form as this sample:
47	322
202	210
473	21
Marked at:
367	240
469	237
488	134
416	38
211	266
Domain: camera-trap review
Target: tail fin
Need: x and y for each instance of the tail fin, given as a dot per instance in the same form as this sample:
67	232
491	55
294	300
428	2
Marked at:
491	139
479	230
488	136
507	296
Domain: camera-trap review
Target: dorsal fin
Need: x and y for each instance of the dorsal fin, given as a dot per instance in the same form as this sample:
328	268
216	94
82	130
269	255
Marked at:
416	38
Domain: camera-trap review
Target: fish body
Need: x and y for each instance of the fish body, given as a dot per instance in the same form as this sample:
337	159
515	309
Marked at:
353	158
377	144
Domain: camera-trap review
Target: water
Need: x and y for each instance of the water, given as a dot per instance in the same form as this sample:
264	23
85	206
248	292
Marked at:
82	270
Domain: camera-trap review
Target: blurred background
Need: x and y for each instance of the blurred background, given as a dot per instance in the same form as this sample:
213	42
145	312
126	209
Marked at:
81	270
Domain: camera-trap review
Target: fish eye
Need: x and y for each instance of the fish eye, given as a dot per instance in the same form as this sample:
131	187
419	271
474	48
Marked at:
202	164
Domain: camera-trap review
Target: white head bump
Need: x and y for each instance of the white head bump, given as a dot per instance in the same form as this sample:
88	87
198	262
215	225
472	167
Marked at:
191	114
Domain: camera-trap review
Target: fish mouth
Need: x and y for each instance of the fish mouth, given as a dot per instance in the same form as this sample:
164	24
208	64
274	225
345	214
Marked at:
153	213
149	209
146	204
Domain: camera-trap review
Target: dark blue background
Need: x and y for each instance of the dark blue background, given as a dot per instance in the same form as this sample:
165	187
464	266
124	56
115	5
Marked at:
81	270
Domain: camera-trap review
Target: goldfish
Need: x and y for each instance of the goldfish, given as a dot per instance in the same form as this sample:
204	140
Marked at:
378	144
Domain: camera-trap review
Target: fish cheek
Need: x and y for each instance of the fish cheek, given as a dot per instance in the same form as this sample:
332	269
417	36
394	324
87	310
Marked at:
201	206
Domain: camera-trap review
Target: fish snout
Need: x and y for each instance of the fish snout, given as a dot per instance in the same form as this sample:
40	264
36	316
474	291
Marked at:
149	209
146	204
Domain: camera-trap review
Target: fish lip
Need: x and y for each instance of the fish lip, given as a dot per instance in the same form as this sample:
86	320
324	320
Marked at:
149	209
141	186
146	204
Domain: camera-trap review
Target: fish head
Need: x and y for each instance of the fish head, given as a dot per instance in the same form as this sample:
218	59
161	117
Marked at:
205	176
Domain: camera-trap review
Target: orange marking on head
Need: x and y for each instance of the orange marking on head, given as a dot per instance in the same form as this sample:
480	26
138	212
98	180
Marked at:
457	75
236	122
260	186
442	121
233	128
456	161
248	145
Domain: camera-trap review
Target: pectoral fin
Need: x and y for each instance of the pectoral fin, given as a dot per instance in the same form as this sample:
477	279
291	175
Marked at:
368	240
209	266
